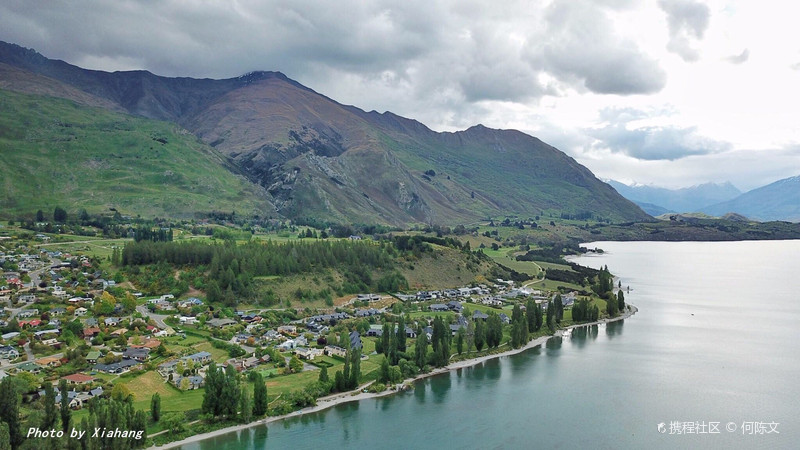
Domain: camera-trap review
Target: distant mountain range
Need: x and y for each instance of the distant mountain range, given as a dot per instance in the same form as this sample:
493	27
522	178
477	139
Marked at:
658	200
302	154
777	201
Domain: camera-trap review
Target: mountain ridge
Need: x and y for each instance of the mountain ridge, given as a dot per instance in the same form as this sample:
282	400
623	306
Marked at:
318	158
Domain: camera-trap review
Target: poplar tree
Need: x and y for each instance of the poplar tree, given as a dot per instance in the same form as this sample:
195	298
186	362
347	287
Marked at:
401	334
620	300
155	407
50	414
66	413
421	348
260	401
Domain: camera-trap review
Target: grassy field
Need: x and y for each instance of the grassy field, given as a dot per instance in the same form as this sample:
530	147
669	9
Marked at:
79	157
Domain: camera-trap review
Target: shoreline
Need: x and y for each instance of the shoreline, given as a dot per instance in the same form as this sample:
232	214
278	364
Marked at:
330	401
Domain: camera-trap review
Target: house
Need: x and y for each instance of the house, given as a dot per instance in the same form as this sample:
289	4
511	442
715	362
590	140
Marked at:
455	306
91	322
439	307
190	302
194	382
93	356
187	320
49	361
199	358
367	312
504	318
479	315
78	378
410	333
355	340
286	345
80	312
26	313
52	343
368	297
10	335
138	354
29	323
333	350
91	332
30	367
111	321
8	352
117	367
375	331
220	323
287	329
300	341
307	353
119	332
271	335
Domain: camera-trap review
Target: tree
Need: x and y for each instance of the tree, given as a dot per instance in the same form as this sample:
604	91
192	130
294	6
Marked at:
295	364
245	407
401	334
460	340
551	316
40	216
620	300
155	407
355	368
480	334
9	411
323	375
59	215
559	304
50	416
530	314
120	392
421	348
5	438
260	401
66	413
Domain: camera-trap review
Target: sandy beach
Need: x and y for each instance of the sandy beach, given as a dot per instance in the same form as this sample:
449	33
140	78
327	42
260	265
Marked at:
354	396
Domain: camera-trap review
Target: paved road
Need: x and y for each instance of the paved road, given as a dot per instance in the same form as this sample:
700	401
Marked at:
158	318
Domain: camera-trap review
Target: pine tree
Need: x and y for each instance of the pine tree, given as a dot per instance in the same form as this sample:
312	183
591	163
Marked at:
559	304
620	300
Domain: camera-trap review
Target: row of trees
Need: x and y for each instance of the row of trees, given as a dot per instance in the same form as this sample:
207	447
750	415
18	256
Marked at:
225	397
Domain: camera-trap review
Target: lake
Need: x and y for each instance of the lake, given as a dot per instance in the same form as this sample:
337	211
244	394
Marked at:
712	355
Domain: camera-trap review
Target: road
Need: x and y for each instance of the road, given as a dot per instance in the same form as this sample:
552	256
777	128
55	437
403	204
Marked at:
157	318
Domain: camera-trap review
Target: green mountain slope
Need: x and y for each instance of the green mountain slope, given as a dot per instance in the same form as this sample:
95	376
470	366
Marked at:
58	153
313	157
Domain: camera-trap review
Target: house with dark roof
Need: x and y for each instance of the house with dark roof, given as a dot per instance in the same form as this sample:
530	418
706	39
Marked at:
439	307
479	315
355	340
139	354
117	367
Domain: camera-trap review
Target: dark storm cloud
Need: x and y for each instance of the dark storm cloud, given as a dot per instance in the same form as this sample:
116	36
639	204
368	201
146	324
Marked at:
580	45
688	21
428	59
649	143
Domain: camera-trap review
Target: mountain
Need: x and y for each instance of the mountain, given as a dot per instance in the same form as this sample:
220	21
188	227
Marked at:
777	201
313	157
56	152
690	199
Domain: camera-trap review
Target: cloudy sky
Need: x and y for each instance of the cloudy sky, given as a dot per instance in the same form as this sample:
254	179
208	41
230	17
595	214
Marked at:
664	92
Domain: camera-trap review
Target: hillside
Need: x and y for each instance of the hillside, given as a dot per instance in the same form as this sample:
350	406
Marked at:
657	200
777	201
58	153
313	157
